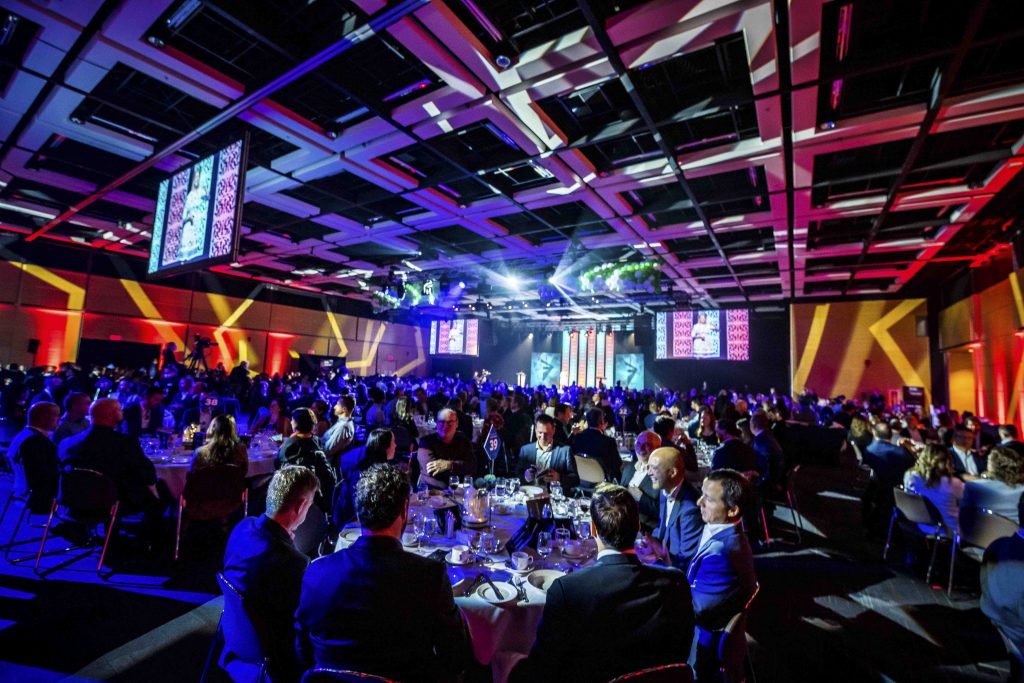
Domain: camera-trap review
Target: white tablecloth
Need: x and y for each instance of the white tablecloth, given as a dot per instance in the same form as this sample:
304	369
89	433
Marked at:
501	635
174	472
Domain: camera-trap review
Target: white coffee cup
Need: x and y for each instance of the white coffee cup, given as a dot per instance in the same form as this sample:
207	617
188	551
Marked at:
460	553
521	561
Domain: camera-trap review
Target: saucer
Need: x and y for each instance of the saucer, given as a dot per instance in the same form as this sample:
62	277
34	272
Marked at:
468	561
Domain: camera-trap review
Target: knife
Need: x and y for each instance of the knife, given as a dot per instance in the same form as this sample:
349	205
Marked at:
493	586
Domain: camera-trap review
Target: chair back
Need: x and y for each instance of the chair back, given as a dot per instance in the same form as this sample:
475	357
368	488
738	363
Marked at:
732	648
917	509
83	490
319	675
213	492
667	673
985	527
243	634
590	470
311	533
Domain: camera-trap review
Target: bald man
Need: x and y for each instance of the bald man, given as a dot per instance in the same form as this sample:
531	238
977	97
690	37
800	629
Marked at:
120	457
680	526
36	471
636	479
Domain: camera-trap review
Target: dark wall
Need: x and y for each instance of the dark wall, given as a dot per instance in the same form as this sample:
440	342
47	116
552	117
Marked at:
768	367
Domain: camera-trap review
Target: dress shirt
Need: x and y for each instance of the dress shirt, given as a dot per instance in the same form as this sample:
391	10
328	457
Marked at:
544	456
966	461
639	472
609	551
672	501
709	531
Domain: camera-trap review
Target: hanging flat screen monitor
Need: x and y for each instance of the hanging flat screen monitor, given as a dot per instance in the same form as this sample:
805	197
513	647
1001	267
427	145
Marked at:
455	337
703	334
198	212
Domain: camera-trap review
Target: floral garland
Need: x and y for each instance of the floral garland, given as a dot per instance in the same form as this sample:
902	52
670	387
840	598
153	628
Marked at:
622	277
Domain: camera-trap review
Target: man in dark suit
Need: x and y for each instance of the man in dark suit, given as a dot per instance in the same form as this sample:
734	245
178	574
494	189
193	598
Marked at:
637	480
375	608
543	462
771	462
34	455
120	457
648	608
465	421
1002	592
732	453
593	443
518	423
146	416
1009	437
679	525
262	562
721	574
563	426
888	460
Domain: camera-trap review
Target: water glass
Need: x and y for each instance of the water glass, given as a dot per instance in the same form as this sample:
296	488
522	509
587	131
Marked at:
453	482
500	489
544	545
418	527
467	481
583	529
489	542
422	493
561	538
474	541
555	488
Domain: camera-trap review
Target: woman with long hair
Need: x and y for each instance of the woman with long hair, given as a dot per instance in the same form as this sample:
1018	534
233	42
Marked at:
222	447
932	477
380	448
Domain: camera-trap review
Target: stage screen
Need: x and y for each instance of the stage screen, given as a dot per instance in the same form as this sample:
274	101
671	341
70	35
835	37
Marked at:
629	370
196	223
545	368
455	337
704	334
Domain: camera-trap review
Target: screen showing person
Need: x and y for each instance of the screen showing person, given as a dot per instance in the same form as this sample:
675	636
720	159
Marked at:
197	213
703	334
455	337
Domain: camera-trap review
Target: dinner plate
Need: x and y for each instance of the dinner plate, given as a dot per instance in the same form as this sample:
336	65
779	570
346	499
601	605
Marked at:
531	491
468	561
509	594
541	578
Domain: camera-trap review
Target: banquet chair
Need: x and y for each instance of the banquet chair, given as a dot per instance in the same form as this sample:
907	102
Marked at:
86	497
733	653
31	504
591	472
789	495
243	633
211	493
978	529
667	673
319	675
920	518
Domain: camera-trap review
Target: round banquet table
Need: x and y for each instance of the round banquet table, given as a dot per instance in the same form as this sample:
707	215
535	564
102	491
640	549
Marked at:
173	468
501	635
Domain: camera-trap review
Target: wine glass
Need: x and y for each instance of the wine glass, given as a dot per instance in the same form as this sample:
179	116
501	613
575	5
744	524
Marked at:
418	525
475	542
453	482
467	481
583	528
422	493
429	527
489	542
555	488
500	489
513	487
544	545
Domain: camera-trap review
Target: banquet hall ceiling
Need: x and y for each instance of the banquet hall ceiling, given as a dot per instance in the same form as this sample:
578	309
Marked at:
760	152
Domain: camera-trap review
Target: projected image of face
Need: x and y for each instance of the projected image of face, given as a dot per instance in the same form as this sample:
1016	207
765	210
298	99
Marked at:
707	334
196	218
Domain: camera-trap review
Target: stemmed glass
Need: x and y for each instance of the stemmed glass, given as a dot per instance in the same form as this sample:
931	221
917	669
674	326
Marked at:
555	488
453	482
513	487
583	528
500	489
561	539
429	527
417	528
544	545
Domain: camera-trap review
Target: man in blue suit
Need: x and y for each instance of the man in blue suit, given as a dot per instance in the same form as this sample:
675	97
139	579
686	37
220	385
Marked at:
375	608
721	574
679	524
888	460
262	562
543	462
1002	593
648	608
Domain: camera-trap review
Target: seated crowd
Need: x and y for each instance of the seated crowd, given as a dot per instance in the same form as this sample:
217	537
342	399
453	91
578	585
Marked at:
674	562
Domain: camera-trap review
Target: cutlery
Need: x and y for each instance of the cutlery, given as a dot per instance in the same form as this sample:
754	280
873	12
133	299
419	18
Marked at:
490	583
